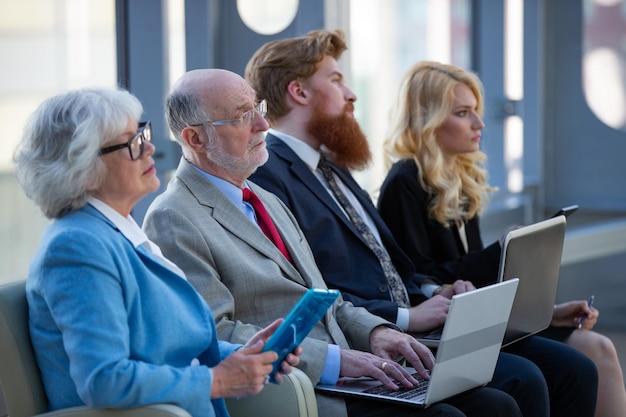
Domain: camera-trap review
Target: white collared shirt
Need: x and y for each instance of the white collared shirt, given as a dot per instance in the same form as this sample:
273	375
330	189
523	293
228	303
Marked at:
311	158
131	230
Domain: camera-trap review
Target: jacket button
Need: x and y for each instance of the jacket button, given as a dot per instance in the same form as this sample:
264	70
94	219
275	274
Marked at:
383	288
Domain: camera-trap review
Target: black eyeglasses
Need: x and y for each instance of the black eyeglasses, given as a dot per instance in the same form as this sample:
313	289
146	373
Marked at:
244	120
135	145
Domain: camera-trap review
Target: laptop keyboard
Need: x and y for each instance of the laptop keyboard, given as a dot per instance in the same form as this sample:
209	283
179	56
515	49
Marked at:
406	393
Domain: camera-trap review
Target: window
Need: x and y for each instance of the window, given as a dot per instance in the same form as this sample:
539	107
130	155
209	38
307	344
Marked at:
386	38
47	46
604	60
267	17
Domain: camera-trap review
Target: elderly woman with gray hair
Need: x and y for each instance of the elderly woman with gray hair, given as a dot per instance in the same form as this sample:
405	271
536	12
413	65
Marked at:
114	324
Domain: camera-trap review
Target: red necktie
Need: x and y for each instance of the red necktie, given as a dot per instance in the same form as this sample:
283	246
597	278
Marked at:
265	221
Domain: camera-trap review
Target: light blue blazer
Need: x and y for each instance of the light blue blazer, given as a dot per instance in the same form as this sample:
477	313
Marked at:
112	327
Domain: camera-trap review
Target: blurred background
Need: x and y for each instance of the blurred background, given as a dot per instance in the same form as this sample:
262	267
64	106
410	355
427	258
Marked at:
554	74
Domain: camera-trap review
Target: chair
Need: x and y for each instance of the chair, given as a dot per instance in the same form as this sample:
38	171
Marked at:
295	397
25	397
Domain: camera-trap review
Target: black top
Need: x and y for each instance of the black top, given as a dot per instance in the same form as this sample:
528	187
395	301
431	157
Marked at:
434	249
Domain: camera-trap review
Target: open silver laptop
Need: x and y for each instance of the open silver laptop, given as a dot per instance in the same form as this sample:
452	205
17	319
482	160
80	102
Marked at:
532	254
467	354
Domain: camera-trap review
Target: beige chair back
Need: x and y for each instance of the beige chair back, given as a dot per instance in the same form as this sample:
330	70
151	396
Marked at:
19	376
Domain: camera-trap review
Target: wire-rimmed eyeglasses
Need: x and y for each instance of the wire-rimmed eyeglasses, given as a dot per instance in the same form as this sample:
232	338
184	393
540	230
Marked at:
246	119
135	145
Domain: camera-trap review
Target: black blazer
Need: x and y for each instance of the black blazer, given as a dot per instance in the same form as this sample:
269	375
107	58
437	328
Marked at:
434	249
344	258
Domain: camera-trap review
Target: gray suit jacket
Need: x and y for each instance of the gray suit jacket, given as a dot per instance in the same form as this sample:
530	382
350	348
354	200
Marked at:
245	279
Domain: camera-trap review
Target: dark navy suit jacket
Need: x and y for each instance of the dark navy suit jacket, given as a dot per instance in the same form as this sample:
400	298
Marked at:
343	257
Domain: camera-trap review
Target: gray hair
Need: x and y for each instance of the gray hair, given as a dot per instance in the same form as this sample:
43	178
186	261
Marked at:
183	110
57	160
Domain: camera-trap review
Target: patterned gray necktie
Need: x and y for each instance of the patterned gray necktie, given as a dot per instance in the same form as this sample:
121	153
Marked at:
396	286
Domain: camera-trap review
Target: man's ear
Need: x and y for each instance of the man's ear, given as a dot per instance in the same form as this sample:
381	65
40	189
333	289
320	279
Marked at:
298	92
192	138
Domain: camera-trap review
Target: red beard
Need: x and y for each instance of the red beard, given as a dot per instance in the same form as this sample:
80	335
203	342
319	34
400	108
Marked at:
341	135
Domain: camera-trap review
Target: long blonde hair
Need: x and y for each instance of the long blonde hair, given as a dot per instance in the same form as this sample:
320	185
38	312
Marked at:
424	102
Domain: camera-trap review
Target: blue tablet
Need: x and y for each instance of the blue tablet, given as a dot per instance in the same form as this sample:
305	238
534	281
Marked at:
299	323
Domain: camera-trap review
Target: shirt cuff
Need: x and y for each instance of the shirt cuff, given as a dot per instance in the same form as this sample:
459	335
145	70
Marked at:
402	321
427	289
330	373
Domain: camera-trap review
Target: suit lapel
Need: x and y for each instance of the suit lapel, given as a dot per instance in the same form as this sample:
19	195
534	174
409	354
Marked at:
146	255
223	211
151	259
306	177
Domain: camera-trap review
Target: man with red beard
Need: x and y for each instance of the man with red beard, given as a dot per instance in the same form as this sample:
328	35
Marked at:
311	110
313	143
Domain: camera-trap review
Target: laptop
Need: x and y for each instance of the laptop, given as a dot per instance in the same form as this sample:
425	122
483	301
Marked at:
467	354
532	254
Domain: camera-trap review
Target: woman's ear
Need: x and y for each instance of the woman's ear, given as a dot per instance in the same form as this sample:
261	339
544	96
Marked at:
90	184
298	92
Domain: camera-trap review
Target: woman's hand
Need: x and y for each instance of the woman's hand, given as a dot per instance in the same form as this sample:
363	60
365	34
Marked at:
292	359
242	373
569	314
246	371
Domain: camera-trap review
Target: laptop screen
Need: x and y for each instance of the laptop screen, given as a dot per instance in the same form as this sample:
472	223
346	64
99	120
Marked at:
533	254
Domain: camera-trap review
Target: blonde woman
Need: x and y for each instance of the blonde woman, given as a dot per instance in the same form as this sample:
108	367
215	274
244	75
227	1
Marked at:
436	190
